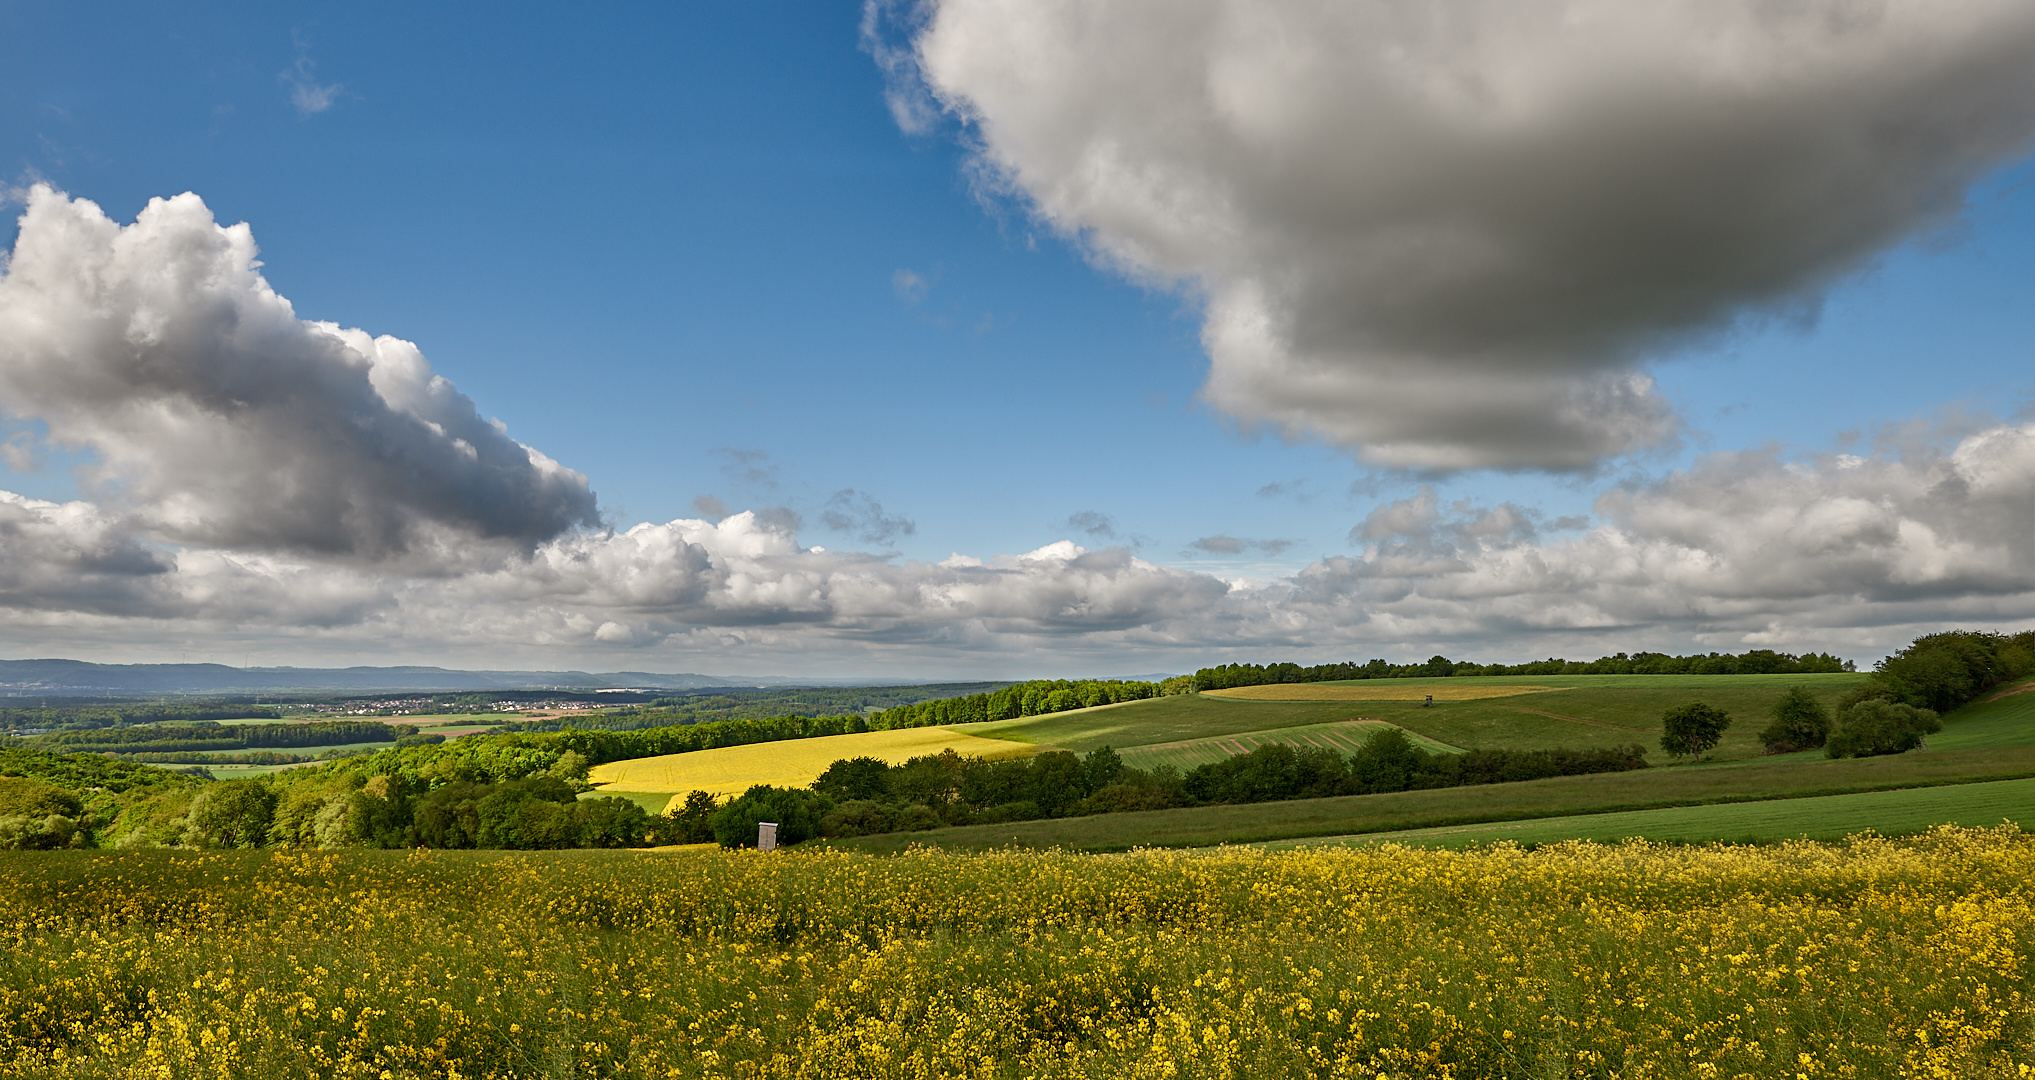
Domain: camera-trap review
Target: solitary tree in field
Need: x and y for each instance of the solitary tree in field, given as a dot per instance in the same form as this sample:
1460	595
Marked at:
1689	730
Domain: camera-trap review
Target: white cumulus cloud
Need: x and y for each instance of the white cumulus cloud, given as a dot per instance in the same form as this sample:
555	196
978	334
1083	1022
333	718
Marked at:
219	418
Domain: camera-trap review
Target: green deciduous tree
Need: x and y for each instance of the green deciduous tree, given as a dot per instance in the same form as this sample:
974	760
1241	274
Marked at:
1690	730
692	821
1798	722
855	779
230	814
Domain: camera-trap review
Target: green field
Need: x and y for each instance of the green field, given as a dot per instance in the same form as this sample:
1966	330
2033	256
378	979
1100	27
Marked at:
1343	736
1584	711
652	802
1793	776
1988	741
1826	817
2006	718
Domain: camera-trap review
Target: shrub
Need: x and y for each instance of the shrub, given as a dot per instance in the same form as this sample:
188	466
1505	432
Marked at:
22	832
858	817
1872	728
796	812
917	819
35	799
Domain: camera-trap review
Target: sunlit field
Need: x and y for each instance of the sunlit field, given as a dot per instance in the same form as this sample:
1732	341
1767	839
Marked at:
1378	690
1344	737
1869	959
731	770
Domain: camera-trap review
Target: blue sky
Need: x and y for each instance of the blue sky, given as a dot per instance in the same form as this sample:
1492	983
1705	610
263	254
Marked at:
687	250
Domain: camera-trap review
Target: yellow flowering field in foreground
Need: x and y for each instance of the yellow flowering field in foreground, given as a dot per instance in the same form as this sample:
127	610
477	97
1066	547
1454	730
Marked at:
1868	959
731	770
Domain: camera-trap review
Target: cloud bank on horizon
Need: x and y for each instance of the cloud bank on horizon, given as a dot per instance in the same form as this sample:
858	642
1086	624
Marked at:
1450	235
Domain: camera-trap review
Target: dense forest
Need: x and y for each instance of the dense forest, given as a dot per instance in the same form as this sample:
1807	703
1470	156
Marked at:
1756	662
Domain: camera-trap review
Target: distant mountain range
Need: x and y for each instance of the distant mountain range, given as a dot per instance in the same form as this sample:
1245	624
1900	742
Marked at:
70	678
76	678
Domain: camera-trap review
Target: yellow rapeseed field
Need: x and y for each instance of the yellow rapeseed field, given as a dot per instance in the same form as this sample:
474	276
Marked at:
730	770
1866	960
1377	690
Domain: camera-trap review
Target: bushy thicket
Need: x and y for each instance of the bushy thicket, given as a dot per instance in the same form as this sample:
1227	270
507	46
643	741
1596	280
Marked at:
1755	662
1873	727
1939	672
192	738
537	811
859	796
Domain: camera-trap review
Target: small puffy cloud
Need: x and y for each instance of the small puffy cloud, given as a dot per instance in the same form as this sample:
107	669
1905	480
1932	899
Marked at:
219	418
1221	544
1449	233
1092	523
749	468
909	286
307	95
710	506
860	515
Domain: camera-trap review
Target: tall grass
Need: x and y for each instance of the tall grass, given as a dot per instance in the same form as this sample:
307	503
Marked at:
1867	959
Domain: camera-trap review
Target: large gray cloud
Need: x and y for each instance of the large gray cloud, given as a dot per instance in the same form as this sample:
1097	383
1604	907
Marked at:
1448	233
219	418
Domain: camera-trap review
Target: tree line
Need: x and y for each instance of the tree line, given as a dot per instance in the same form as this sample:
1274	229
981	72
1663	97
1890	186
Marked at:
858	796
720	705
197	737
1036	698
62	717
1755	662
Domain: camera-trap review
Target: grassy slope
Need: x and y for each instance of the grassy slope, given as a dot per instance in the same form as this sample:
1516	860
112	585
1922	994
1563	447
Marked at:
652	802
1989	740
1827	817
1605	710
1773	778
2006	718
1344	737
